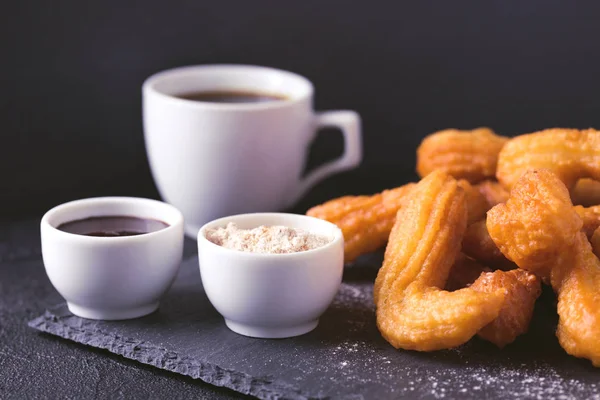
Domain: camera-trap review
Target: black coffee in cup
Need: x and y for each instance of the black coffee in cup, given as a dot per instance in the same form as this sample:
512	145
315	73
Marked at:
231	97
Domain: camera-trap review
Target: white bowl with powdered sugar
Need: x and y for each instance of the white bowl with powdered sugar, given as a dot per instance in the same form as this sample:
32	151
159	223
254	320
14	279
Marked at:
271	275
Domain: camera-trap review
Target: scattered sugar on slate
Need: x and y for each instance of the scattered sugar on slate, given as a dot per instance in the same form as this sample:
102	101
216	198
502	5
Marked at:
364	362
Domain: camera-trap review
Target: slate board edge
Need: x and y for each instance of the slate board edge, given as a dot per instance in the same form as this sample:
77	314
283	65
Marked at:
138	350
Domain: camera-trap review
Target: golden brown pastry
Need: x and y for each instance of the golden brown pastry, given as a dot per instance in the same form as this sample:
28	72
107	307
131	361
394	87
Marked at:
539	229
478	244
365	221
570	153
470	155
590	216
413	310
522	290
493	192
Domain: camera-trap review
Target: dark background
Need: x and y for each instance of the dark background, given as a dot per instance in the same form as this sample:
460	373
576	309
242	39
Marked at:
71	73
70	117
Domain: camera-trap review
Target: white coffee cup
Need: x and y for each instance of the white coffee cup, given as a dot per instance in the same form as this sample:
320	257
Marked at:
216	159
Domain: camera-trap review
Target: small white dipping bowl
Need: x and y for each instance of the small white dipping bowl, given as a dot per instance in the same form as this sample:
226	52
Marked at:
112	278
272	295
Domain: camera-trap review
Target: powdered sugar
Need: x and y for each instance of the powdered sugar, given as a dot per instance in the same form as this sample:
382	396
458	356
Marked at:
266	239
472	371
530	382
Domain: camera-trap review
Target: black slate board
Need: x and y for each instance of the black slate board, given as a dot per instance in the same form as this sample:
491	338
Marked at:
345	357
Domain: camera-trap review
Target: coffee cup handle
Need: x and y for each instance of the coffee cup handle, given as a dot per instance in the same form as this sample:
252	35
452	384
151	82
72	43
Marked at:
349	123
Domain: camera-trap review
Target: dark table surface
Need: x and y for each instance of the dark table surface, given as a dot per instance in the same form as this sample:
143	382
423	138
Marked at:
37	365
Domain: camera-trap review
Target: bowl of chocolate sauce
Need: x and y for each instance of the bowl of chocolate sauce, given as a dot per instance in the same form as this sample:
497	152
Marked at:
112	258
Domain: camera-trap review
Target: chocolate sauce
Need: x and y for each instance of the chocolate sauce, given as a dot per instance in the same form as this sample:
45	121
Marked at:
112	226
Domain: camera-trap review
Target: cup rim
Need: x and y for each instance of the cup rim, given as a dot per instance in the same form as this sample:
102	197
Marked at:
337	236
149	87
176	223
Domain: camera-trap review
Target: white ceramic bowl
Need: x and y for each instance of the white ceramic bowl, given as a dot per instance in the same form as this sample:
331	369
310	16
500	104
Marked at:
272	295
112	278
